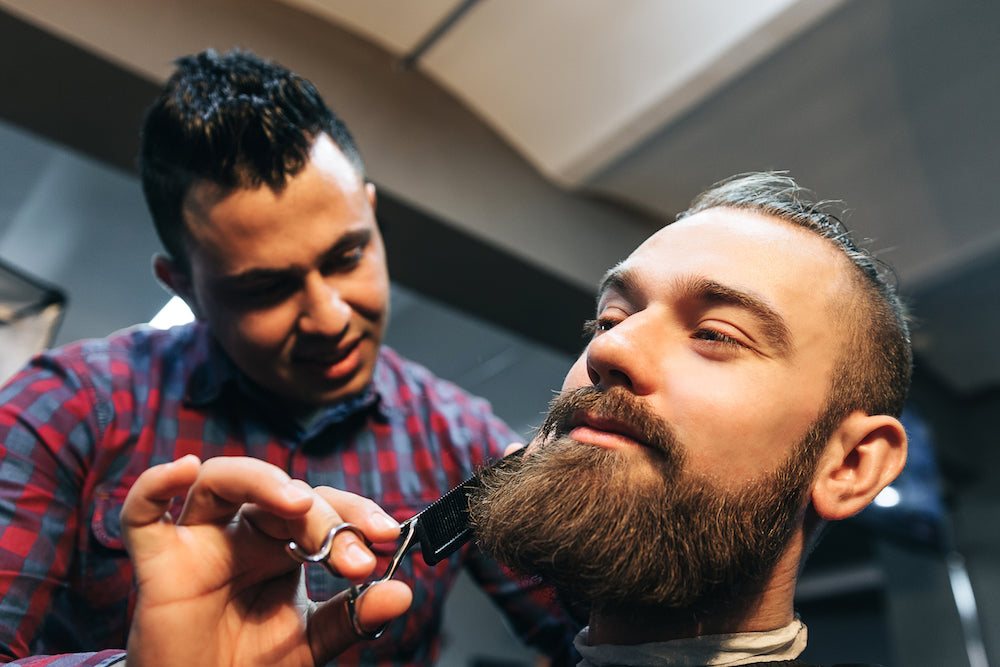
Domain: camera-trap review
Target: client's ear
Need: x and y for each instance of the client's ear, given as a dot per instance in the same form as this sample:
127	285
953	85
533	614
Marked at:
861	458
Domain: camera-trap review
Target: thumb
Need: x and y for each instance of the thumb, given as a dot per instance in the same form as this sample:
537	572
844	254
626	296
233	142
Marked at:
330	629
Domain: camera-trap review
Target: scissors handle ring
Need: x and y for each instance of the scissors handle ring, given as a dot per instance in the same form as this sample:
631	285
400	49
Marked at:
353	593
322	556
407	533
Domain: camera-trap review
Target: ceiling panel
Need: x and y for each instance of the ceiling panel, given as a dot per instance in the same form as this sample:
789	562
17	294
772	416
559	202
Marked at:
395	26
573	83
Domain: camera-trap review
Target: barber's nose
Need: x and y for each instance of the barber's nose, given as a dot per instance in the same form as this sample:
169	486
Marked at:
619	357
324	311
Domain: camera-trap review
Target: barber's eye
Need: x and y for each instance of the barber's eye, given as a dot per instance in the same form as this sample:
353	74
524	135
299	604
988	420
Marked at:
346	260
261	295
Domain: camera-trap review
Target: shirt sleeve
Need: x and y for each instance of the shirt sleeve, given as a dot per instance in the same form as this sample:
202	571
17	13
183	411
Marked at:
97	659
46	426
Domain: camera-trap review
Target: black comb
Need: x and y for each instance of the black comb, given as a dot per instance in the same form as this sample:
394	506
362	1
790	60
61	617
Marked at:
443	527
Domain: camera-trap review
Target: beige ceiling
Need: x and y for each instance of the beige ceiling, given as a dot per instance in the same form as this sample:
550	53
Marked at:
573	84
570	85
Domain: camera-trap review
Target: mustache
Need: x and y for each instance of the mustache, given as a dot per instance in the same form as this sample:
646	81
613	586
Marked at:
616	404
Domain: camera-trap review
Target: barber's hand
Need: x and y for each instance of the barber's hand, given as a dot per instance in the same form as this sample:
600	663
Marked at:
218	587
513	447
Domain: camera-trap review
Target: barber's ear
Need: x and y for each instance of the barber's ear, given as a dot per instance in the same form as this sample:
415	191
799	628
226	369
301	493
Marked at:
176	280
862	457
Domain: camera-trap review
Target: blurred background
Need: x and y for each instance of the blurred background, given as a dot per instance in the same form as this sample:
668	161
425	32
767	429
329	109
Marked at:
522	147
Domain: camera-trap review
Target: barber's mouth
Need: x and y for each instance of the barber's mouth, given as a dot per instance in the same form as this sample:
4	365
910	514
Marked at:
336	363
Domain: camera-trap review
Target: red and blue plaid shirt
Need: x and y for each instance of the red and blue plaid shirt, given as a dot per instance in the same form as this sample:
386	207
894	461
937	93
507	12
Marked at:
82	422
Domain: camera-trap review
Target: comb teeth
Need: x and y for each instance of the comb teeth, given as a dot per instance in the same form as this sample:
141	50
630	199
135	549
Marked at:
443	527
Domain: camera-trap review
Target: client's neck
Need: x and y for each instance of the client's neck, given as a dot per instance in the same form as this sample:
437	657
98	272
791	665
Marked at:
648	625
770	609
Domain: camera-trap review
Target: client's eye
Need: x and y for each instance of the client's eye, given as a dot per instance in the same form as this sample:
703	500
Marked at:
592	327
716	336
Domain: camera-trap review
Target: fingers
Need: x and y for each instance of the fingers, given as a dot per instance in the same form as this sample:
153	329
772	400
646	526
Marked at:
276	507
513	447
224	484
150	496
330	630
535	443
149	499
376	525
350	555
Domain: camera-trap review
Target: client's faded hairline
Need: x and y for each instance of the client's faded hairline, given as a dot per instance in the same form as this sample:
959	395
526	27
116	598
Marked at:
618	277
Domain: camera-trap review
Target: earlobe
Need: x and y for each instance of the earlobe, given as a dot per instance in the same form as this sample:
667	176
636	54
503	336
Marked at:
175	280
864	455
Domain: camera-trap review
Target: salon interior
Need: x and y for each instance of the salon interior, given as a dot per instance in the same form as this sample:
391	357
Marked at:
520	148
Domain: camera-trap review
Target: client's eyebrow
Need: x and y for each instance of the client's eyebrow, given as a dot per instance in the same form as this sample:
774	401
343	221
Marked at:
773	325
618	279
623	281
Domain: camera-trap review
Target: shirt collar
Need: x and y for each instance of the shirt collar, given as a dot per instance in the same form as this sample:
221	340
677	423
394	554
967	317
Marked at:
743	648
216	376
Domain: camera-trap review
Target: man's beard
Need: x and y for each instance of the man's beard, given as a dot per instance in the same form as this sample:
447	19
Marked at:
613	530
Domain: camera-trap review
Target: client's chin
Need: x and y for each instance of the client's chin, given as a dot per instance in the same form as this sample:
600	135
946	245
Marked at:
607	532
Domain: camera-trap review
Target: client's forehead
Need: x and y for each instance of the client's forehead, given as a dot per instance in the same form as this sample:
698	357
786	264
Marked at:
789	269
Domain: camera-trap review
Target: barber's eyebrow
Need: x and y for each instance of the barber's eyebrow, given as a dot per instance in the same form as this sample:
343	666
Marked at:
623	281
351	239
251	278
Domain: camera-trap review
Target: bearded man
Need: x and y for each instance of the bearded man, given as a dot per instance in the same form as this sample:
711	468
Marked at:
741	386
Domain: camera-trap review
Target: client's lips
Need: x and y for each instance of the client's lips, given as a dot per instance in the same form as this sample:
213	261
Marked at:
604	432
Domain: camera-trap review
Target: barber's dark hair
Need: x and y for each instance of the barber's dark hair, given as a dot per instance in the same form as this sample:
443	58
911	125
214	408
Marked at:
873	371
233	119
